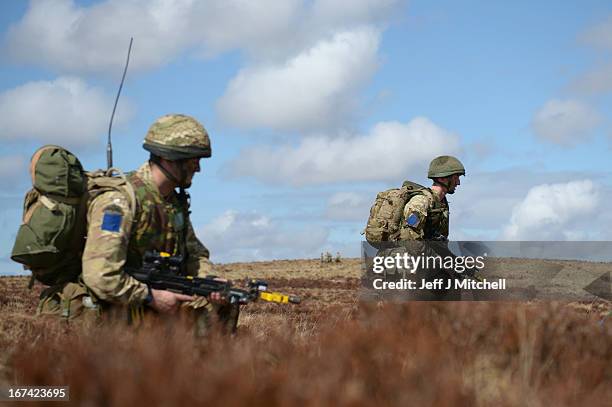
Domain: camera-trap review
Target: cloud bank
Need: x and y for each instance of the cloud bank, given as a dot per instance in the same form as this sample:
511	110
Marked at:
349	206
62	111
306	60
389	152
238	236
312	90
91	39
554	212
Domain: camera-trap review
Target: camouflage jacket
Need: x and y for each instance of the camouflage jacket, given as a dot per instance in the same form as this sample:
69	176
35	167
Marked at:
426	216
118	236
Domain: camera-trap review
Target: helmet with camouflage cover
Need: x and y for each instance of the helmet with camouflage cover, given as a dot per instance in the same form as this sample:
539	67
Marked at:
444	166
177	137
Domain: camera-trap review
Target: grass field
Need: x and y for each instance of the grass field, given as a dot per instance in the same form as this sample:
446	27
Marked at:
329	350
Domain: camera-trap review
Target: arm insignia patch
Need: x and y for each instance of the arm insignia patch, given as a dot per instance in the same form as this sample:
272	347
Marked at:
413	220
111	222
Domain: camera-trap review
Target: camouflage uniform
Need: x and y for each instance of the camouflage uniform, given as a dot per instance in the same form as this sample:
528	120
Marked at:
117	237
125	223
426	218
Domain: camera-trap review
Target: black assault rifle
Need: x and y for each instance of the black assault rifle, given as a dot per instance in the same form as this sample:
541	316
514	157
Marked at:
161	272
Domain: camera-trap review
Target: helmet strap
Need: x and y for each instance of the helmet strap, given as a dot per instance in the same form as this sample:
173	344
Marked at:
157	161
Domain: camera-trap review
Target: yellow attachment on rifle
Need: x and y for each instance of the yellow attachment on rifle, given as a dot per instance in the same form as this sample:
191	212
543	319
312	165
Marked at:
278	297
164	254
274	297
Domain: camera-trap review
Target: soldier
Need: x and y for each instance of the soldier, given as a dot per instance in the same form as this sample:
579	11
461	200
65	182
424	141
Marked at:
118	233
426	215
426	219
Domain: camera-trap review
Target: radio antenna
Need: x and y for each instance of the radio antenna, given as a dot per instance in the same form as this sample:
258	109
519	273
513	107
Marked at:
109	146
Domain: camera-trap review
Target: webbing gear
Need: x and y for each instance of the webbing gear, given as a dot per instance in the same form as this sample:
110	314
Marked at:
183	198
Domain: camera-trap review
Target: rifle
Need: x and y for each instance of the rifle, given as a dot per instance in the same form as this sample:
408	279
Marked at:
161	271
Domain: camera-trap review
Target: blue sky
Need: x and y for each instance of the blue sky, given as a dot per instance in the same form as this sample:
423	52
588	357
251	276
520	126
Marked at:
314	106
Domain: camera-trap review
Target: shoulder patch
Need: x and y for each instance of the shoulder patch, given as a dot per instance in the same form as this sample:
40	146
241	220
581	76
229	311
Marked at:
413	220
111	221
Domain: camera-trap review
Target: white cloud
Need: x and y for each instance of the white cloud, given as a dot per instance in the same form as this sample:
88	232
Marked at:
312	90
68	37
221	25
349	206
307	59
236	236
74	38
389	152
599	36
565	122
554	212
484	201
63	111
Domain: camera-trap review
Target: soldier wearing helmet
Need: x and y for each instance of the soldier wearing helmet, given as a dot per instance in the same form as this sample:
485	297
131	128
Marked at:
426	215
119	233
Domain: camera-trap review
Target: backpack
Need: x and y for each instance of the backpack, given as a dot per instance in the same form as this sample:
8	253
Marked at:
386	213
51	238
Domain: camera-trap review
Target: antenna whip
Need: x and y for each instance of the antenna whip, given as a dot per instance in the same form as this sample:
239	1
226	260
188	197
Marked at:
109	146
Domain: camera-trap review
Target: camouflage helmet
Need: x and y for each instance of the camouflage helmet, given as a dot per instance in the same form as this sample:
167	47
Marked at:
177	137
444	166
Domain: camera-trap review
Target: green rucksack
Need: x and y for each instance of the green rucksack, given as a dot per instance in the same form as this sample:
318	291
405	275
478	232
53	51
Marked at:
387	212
51	238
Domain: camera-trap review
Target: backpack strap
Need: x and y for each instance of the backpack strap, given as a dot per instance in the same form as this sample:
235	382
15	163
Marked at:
109	180
131	194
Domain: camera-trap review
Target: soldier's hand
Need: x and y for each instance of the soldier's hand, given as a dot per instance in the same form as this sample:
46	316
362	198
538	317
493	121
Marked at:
167	302
216	298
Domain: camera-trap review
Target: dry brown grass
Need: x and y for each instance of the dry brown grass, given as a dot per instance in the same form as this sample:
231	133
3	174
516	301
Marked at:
324	352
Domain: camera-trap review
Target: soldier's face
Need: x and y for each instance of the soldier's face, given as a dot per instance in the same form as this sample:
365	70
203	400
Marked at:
191	166
453	182
185	170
